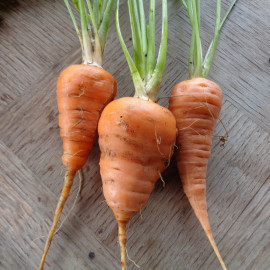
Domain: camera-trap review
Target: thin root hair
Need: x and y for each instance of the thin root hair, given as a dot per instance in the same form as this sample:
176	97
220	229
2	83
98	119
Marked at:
158	140
75	201
132	260
204	104
76	96
189	126
162	180
70	210
170	155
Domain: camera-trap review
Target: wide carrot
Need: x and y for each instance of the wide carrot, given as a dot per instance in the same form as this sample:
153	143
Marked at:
82	92
136	135
196	104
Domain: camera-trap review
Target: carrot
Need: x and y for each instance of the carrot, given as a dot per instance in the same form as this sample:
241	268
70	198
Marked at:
196	123
136	135
82	92
136	138
196	104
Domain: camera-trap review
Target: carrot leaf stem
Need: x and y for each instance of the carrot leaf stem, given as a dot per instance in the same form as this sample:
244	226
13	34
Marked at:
137	80
146	72
183	2
227	13
210	57
156	78
143	35
136	37
94	20
104	22
196	27
92	16
191	55
212	48
199	67
96	11
151	50
86	50
74	21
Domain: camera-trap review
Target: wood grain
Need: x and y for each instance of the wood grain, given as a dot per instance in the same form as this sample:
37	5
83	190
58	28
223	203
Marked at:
22	224
37	42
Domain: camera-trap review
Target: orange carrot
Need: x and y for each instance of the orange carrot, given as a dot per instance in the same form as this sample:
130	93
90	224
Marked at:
82	93
136	135
196	104
136	138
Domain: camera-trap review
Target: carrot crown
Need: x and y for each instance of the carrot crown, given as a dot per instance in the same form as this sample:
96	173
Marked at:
146	72
94	20
199	66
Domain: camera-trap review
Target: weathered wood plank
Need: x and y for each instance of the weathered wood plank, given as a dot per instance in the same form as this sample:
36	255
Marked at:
34	37
250	246
26	212
166	234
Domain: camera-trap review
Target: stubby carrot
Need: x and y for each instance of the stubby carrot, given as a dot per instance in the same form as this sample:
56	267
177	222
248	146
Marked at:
196	104
136	135
136	139
82	92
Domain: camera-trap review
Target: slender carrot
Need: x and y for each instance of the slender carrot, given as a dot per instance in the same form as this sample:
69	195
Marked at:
136	135
82	93
196	104
196	112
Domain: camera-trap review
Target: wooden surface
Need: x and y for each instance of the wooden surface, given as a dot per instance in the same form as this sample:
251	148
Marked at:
37	41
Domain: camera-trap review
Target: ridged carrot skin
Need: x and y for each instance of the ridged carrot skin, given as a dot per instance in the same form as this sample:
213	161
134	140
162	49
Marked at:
82	93
136	139
196	104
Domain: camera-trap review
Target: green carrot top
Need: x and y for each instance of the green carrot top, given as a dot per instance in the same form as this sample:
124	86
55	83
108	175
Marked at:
199	66
94	21
146	72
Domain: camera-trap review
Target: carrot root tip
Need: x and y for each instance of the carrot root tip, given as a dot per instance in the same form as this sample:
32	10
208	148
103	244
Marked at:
69	177
122	242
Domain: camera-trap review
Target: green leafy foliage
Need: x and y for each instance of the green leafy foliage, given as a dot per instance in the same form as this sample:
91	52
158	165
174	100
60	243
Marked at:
146	72
199	66
76	4
94	22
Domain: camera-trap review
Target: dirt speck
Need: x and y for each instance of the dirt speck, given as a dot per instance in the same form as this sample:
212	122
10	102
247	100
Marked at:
5	97
91	255
51	117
